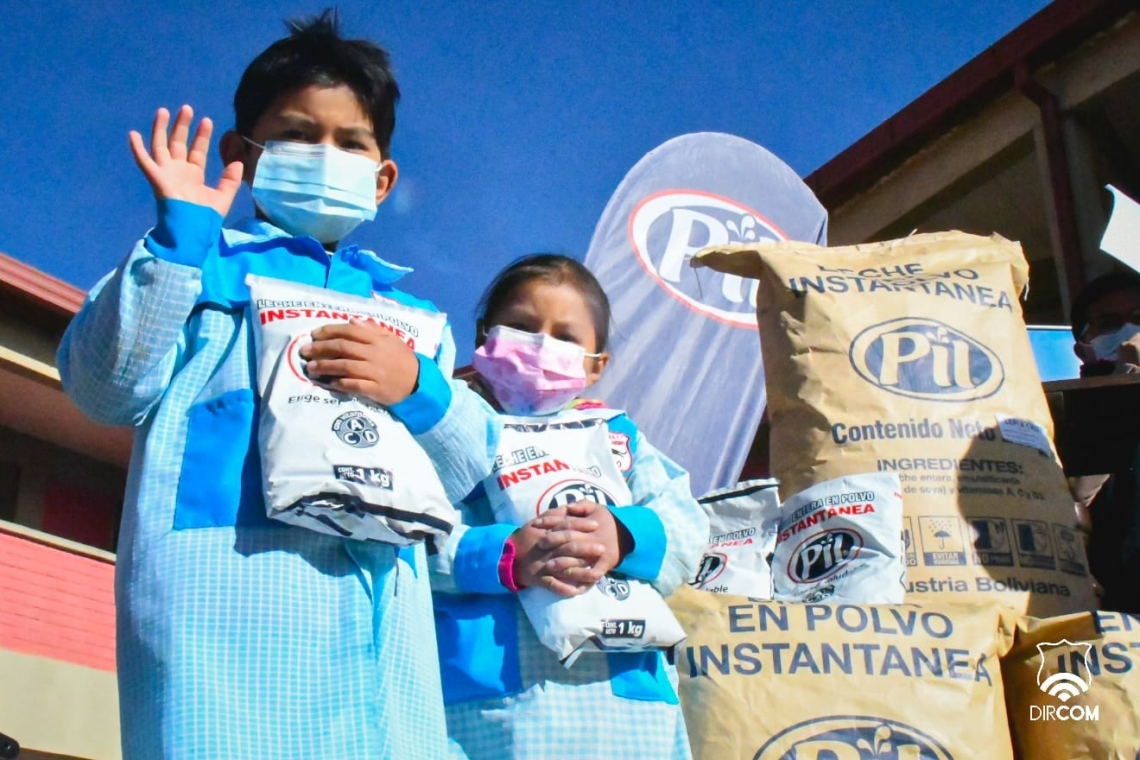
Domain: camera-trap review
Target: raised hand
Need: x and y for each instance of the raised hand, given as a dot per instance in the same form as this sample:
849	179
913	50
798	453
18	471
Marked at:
363	359
176	172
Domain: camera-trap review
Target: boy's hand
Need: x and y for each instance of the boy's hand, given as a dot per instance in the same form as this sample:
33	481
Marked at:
178	173
363	359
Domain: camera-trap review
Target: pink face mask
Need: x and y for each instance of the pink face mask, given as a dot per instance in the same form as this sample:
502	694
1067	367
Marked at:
530	373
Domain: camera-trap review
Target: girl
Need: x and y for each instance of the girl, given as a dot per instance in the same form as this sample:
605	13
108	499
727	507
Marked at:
542	327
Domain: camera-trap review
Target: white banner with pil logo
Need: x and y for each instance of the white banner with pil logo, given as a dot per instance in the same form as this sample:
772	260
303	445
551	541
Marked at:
686	350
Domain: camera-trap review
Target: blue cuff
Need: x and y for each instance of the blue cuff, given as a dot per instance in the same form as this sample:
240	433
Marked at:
640	675
648	533
427	405
185	233
476	565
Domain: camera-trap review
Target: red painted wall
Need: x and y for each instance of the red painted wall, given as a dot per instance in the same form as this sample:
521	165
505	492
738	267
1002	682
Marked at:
55	603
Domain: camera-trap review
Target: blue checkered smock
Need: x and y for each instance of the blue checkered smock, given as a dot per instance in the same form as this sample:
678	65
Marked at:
241	638
507	695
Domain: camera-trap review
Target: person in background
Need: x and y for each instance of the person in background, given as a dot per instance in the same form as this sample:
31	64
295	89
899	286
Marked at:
1106	326
241	637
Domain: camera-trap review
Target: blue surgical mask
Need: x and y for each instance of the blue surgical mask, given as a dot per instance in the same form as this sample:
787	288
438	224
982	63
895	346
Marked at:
1106	347
314	189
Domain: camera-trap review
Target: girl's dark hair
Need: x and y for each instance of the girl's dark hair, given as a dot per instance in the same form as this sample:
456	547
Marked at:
554	269
314	53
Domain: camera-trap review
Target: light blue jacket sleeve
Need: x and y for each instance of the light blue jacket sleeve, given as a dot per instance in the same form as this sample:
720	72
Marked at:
121	350
669	528
468	562
454	425
460	433
445	357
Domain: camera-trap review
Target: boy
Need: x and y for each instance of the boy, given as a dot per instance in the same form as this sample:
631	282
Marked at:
238	637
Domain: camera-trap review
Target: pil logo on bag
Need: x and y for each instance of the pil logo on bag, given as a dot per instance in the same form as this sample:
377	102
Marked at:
712	565
294	360
852	737
567	492
823	554
926	359
667	228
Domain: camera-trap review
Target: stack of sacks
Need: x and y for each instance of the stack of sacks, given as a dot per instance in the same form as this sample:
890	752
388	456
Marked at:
911	357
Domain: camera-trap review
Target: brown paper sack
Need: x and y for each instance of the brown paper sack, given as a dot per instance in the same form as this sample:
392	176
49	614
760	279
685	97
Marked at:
1072	687
912	356
766	680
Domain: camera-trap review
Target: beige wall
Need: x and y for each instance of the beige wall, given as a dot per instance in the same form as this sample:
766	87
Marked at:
53	707
991	170
17	336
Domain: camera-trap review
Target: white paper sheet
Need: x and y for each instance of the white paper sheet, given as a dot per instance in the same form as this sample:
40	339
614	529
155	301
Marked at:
1121	238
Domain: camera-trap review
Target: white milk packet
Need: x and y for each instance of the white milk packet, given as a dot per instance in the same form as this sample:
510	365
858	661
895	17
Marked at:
743	522
333	462
545	465
841	541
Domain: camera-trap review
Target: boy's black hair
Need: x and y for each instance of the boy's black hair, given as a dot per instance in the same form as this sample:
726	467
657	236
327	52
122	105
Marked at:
1096	290
554	269
314	53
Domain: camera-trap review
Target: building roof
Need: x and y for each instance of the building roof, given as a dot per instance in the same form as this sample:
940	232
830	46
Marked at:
1049	35
31	399
38	297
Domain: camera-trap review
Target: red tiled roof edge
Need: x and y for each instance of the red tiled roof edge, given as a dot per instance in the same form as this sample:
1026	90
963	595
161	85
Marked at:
39	288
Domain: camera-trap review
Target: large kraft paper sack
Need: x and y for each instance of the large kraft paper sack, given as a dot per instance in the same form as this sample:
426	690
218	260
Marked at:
763	680
911	356
1072	687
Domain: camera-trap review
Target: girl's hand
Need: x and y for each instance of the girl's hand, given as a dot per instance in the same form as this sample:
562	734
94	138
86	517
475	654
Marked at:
578	555
363	359
176	172
531	559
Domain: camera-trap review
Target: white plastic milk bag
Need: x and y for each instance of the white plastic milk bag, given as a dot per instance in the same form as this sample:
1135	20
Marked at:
546	465
334	462
743	522
841	541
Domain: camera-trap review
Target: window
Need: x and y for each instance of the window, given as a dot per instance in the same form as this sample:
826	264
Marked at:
9	488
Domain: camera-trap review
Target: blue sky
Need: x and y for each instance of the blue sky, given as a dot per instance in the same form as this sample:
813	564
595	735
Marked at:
518	120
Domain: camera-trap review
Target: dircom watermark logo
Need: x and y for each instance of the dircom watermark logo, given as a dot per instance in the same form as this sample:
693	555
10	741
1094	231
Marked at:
1064	684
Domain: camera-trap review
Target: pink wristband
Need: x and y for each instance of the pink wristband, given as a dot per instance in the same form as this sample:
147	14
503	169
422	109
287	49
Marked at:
507	567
